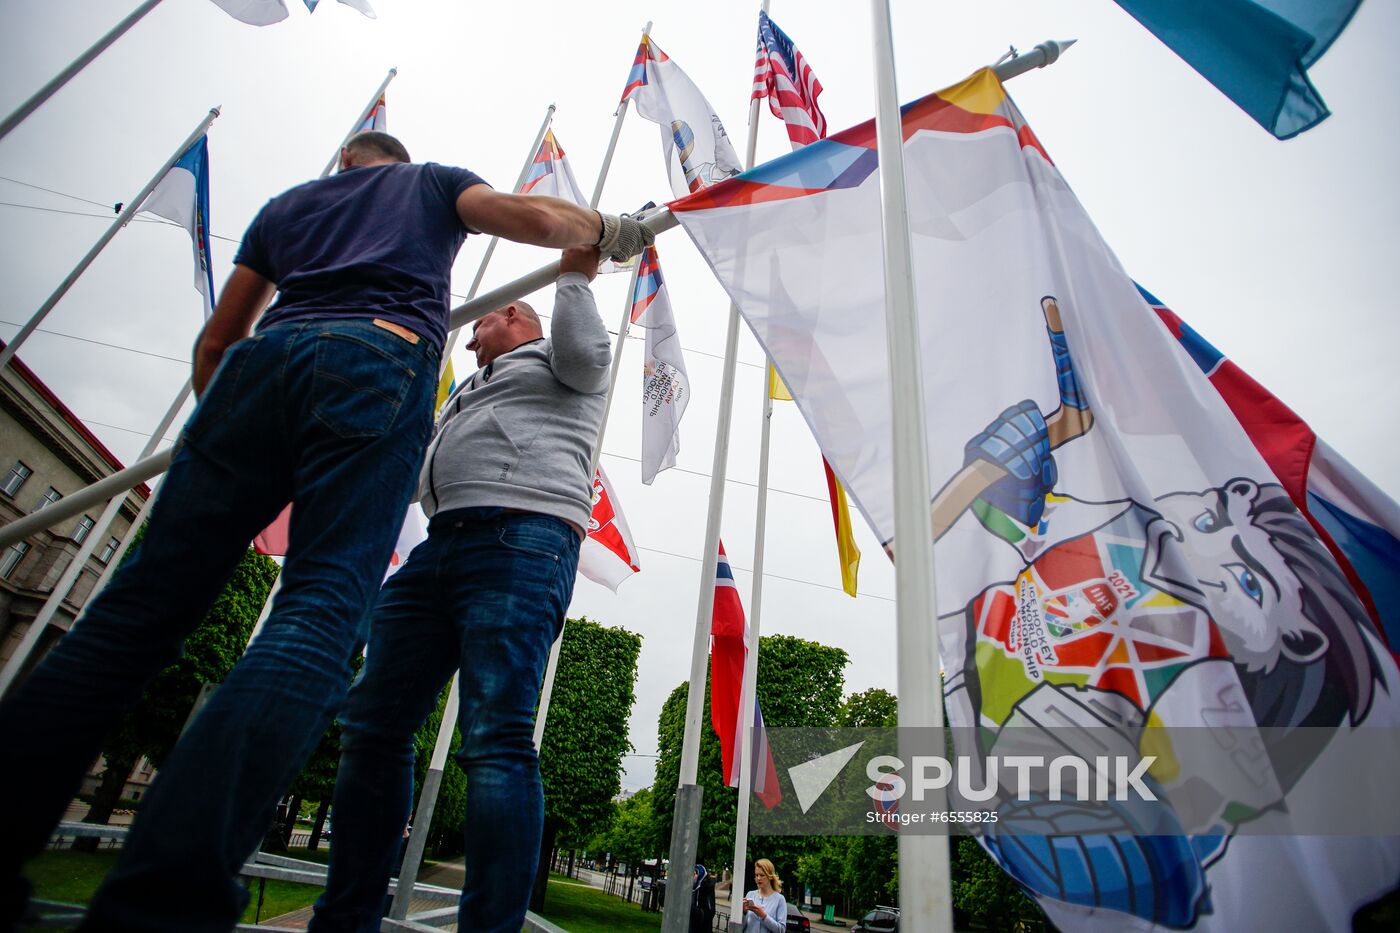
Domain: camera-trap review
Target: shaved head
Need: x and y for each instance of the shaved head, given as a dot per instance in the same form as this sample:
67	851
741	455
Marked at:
372	147
503	330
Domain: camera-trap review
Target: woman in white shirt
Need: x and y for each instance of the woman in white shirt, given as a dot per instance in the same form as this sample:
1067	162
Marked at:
765	910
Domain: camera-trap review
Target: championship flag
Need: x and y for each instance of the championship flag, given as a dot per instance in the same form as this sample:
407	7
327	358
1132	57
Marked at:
693	141
361	5
728	647
608	555
254	12
784	77
377	119
1255	52
1110	537
665	385
550	173
182	196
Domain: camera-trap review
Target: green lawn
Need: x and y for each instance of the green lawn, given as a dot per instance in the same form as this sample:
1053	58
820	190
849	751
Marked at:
581	909
72	877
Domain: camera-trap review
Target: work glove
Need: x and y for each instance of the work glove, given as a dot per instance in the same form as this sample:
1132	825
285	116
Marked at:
622	237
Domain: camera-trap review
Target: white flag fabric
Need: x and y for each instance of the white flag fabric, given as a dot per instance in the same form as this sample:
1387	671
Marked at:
361	5
183	196
254	12
693	141
551	175
665	385
413	533
1114	547
608	555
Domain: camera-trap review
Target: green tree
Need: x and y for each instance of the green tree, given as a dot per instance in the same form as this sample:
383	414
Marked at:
210	651
986	896
869	708
631	836
585	736
799	685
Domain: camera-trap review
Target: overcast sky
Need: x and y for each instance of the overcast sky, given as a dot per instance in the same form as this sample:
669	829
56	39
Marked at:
1279	253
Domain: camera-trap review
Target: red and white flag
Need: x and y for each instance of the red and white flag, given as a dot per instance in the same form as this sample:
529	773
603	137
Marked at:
608	555
783	76
728	646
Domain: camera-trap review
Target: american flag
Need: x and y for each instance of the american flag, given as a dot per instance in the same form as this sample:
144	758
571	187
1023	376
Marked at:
783	76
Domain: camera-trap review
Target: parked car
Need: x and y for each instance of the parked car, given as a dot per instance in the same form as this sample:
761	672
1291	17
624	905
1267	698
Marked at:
797	921
880	920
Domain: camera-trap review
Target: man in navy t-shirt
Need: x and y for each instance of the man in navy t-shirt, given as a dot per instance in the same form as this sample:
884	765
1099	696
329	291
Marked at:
327	406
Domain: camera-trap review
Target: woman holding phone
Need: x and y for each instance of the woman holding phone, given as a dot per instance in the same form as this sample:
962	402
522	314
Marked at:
765	909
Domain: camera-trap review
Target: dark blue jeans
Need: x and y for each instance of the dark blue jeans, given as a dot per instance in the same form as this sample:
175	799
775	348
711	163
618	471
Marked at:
486	594
331	415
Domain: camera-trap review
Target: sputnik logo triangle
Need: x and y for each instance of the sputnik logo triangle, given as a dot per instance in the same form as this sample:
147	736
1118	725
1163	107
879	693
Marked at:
811	778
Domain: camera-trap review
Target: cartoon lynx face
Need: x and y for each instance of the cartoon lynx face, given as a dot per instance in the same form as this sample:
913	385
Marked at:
1218	549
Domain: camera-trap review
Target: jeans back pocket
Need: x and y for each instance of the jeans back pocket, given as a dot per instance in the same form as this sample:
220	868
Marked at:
357	387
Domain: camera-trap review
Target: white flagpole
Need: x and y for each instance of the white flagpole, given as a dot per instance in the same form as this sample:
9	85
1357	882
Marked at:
552	667
925	894
132	208
685	823
359	121
427	802
79	63
75	567
747	693
491	244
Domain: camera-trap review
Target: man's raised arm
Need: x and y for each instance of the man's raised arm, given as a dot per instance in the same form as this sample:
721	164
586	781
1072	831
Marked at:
245	295
545	221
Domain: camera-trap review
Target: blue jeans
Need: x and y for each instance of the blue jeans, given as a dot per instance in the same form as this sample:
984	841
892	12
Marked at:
485	594
331	415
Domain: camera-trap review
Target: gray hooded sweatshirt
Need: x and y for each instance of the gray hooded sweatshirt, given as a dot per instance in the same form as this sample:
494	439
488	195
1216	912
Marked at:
519	433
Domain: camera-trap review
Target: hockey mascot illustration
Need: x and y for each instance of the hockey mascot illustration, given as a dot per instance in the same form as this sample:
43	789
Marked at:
1122	612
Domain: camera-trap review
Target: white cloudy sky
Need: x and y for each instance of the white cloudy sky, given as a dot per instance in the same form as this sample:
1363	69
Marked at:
1279	253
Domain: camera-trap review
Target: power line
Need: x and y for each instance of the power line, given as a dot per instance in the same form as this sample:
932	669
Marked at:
775	576
110	346
62	194
114	427
727	479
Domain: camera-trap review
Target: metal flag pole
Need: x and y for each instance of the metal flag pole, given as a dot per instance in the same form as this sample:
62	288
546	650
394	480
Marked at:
747	693
685	822
132	208
75	567
552	667
79	63
925	895
359	121
427	802
491	244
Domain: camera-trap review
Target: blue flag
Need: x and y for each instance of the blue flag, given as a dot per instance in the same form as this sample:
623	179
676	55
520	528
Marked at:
1256	52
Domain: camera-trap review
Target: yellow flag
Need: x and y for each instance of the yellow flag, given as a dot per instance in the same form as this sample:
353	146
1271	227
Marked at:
446	385
776	390
845	539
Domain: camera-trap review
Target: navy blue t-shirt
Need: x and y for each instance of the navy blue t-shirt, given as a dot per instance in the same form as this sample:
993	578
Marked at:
377	241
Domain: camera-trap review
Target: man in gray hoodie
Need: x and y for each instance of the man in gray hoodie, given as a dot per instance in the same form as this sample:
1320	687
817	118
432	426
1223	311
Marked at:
506	487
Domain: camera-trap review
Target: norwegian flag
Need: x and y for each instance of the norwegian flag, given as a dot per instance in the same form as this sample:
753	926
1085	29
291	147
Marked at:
728	646
608	555
782	75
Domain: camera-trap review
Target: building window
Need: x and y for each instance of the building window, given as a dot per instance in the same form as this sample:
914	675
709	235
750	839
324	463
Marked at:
13	556
49	498
108	550
83	530
18	474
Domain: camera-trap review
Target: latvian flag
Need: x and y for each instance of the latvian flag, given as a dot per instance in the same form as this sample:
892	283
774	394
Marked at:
728	647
